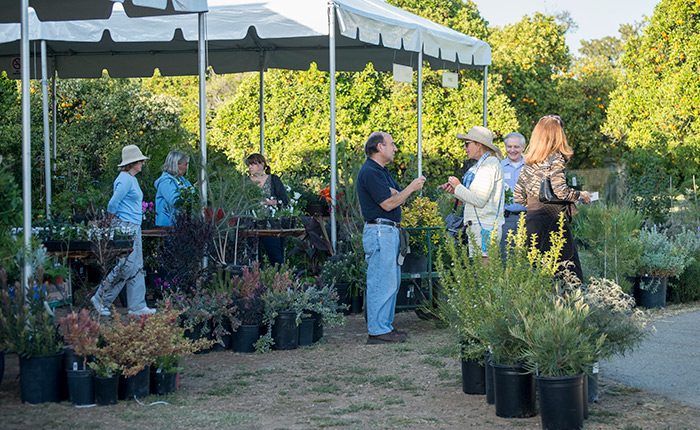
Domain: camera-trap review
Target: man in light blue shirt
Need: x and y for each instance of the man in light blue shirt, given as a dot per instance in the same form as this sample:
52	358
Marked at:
512	165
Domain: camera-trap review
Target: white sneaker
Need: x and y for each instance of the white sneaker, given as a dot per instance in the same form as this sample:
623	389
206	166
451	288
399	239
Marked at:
102	310
143	311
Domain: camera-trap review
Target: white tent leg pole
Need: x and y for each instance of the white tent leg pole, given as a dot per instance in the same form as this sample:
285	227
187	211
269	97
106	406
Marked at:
202	110
262	110
486	68
53	115
334	163
26	145
419	148
47	145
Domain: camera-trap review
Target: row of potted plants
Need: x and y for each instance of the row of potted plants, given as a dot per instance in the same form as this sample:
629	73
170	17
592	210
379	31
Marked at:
530	319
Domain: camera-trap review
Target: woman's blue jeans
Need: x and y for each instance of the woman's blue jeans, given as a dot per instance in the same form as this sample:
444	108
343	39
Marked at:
381	245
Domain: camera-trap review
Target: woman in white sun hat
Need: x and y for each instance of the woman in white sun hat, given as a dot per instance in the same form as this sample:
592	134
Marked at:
481	189
124	210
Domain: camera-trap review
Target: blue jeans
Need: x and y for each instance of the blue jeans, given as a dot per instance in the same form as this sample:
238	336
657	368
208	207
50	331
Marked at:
381	245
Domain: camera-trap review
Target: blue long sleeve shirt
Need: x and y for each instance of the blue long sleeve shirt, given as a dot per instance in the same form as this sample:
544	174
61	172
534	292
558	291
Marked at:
511	173
167	192
126	199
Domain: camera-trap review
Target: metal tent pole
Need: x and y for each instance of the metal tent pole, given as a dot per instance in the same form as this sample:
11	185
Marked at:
202	107
26	144
486	68
262	103
47	145
419	148
334	166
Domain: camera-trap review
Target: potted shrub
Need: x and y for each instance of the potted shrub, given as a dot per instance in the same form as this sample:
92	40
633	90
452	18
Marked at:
559	346
283	309
168	345
128	343
80	332
337	272
247	297
481	302
223	310
27	328
663	255
320	307
421	214
612	313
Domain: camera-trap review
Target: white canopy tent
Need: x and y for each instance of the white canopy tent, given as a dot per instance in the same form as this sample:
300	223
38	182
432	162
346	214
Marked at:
18	11
248	35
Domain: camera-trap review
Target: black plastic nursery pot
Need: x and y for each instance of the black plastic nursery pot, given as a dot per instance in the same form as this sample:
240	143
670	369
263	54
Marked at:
81	388
285	332
106	390
244	338
514	391
137	386
593	385
306	331
162	382
40	378
2	365
473	377
488	379
650	292
318	326
561	402
201	330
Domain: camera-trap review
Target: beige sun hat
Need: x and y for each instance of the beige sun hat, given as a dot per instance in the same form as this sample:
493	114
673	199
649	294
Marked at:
131	154
484	136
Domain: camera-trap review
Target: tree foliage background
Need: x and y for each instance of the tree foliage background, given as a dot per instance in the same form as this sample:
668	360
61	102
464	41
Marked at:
621	94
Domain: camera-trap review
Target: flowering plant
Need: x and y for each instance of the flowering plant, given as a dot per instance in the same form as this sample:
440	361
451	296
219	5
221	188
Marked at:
293	208
80	332
247	293
149	213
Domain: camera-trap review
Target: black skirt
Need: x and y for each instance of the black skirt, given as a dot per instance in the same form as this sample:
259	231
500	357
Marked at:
543	219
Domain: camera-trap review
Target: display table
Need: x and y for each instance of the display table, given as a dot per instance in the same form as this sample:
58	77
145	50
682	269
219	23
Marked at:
282	232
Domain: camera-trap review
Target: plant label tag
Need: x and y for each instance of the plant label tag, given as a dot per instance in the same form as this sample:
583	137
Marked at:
159	370
403	73
75	365
594	196
450	80
573	181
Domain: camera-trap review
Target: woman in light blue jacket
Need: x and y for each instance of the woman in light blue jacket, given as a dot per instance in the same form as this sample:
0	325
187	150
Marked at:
168	187
125	212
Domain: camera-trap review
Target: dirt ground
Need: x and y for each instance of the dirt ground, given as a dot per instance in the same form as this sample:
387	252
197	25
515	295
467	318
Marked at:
340	382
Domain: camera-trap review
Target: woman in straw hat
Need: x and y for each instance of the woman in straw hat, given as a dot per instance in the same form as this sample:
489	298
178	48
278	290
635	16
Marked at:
481	189
546	155
124	210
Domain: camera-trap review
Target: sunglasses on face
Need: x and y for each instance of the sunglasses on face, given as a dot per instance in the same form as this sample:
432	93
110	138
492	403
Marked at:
557	117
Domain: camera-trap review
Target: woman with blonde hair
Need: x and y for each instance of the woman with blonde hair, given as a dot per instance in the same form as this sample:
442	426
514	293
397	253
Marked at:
168	187
546	156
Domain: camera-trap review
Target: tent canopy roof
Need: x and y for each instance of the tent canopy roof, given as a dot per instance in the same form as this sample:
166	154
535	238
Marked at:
249	35
63	10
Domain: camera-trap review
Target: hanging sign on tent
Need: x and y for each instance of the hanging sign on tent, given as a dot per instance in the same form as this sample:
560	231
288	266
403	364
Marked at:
403	73
450	80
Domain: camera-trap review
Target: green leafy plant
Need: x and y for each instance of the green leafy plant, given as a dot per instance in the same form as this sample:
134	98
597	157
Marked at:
557	340
664	254
423	212
247	295
480	300
609	238
26	325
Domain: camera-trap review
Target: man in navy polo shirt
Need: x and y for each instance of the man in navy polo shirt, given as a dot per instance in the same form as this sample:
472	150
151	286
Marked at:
380	200
512	165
